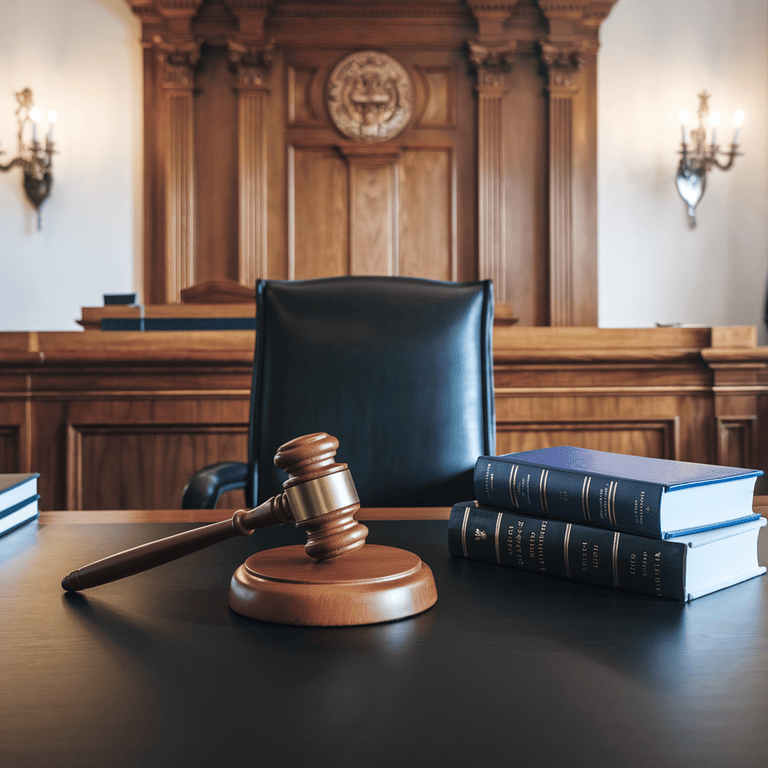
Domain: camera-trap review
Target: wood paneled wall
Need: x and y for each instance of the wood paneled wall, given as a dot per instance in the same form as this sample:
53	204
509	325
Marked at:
248	174
122	420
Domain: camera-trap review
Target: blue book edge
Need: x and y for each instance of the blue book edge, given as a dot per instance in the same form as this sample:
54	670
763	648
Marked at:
700	529
16	507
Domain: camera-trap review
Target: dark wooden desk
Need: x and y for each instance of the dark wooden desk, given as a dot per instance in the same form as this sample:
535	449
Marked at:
508	668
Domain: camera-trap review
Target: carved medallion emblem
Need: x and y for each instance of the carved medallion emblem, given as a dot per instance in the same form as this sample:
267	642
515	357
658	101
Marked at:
370	96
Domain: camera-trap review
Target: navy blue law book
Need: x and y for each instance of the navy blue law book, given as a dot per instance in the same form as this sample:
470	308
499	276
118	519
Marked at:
681	568
18	500
658	498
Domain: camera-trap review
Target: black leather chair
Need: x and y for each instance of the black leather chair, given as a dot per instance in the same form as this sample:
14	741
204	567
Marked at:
399	369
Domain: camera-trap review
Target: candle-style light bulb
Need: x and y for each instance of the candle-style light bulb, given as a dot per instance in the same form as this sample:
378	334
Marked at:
35	116
714	121
52	118
683	117
738	119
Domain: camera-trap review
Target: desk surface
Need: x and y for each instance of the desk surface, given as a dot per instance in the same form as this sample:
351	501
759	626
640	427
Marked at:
507	668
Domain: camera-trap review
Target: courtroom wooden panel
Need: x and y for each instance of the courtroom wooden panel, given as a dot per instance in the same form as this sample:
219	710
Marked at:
427	214
216	169
10	448
114	465
123	419
318	214
247	174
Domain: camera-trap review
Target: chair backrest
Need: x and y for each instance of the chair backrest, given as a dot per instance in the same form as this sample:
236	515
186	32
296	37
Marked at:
400	370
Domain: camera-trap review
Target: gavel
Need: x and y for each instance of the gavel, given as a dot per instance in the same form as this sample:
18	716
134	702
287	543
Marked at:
319	496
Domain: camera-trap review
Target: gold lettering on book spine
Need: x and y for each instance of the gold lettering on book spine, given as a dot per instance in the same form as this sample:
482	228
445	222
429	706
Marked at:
464	523
512	488
612	502
496	537
615	558
585	497
543	491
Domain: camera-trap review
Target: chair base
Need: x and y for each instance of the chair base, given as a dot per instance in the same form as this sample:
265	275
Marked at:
371	585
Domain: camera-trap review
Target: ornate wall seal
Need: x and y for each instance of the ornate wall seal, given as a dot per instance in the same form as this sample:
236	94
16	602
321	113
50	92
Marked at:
370	96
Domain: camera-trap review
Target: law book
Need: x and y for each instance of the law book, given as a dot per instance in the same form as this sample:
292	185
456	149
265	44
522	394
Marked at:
658	498
18	514
681	568
18	500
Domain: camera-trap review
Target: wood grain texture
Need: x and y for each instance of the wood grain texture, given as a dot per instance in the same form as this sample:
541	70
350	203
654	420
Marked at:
426	209
318	215
369	586
217	158
259	190
179	185
252	178
122	420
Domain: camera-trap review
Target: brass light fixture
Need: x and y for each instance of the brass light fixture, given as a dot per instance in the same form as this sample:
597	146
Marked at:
700	155
33	157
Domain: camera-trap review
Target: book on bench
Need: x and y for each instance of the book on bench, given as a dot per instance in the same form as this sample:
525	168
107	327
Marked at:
658	498
680	568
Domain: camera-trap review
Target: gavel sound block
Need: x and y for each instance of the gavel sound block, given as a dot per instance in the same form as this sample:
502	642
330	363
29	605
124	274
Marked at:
333	580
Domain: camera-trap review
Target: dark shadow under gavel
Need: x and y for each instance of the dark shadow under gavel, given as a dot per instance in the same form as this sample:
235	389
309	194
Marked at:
340	583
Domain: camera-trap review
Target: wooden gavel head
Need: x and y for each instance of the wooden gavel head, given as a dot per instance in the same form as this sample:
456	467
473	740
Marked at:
320	496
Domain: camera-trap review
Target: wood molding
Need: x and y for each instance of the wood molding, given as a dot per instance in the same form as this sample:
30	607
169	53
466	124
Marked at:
252	62
252	179
104	485
666	432
563	62
122	419
178	64
737	440
221	201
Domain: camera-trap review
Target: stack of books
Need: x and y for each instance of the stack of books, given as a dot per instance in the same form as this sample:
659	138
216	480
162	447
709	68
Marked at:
672	529
18	500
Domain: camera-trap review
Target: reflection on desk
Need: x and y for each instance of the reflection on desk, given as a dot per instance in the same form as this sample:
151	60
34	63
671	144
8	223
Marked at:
508	666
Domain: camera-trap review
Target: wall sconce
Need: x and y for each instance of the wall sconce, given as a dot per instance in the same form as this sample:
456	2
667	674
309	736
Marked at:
700	156
34	158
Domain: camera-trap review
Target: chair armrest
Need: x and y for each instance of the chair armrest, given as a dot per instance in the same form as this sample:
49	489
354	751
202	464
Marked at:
207	484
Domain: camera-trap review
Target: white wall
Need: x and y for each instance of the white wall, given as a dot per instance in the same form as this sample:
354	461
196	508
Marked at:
83	59
655	57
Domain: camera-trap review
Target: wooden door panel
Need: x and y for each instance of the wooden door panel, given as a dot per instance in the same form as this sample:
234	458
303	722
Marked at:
143	466
373	225
426	226
10	449
320	211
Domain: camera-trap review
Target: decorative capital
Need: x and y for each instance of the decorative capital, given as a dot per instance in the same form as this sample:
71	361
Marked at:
252	61
178	62
492	62
563	63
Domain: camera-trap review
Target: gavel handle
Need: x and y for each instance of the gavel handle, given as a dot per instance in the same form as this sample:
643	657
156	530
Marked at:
146	556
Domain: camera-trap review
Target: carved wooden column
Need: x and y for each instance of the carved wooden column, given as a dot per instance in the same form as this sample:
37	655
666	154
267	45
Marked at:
178	64
563	62
492	62
252	62
491	53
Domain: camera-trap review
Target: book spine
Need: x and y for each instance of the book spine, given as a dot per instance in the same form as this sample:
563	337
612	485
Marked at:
622	505
573	551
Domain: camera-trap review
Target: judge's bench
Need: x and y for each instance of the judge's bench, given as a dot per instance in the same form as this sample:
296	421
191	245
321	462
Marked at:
121	420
